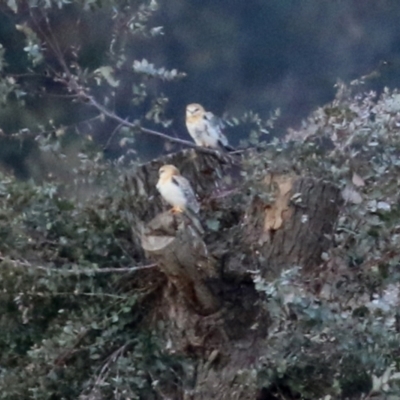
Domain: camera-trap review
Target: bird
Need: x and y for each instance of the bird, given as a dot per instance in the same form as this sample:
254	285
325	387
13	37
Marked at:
205	128
176	190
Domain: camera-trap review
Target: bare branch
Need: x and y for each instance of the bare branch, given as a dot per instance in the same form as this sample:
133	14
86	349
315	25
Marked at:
124	122
84	271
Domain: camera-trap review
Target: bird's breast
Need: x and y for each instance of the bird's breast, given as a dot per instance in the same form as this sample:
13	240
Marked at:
172	193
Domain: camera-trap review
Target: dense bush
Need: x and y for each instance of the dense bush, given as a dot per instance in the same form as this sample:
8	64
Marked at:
345	330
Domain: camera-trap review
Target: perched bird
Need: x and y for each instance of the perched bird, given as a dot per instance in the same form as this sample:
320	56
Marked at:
176	190
205	128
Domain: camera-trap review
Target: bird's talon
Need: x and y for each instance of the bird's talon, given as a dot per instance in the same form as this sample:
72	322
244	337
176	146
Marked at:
176	210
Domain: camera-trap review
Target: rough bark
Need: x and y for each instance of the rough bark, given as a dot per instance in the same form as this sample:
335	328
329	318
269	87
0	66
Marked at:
296	228
210	307
174	242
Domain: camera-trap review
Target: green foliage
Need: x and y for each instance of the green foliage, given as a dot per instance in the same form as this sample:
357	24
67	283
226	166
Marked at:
340	325
70	317
73	291
61	72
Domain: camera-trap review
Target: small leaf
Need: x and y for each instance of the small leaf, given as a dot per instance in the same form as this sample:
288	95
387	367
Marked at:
213	224
107	73
382	205
158	30
13	5
350	195
357	180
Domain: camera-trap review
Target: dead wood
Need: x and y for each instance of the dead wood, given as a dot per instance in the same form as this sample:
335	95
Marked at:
210	307
174	242
296	228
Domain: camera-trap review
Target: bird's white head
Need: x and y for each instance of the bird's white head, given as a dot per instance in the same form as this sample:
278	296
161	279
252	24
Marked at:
194	110
166	171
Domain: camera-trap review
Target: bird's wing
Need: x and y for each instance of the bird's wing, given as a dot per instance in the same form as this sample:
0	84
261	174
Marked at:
188	192
214	120
214	127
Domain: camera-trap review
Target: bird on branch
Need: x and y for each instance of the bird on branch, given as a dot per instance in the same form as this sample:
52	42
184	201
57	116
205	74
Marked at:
205	128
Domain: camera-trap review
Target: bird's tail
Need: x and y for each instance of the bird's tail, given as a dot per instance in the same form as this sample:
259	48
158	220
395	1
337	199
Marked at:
195	221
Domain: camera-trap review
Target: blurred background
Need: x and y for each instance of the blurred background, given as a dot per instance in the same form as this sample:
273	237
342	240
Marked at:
238	55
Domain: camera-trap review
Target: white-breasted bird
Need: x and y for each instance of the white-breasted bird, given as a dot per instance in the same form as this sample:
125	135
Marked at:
176	190
205	128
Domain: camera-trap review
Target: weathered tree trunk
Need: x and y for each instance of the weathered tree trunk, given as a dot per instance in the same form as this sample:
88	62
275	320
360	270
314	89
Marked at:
210	306
295	229
174	242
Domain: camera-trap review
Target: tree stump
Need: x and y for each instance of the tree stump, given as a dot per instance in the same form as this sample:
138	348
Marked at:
210	307
296	228
174	242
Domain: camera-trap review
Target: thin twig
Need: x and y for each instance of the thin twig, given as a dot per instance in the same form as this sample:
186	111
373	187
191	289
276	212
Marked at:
88	271
105	369
114	132
66	294
76	125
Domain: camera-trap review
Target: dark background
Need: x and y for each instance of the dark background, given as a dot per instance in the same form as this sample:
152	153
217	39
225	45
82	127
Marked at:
262	55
